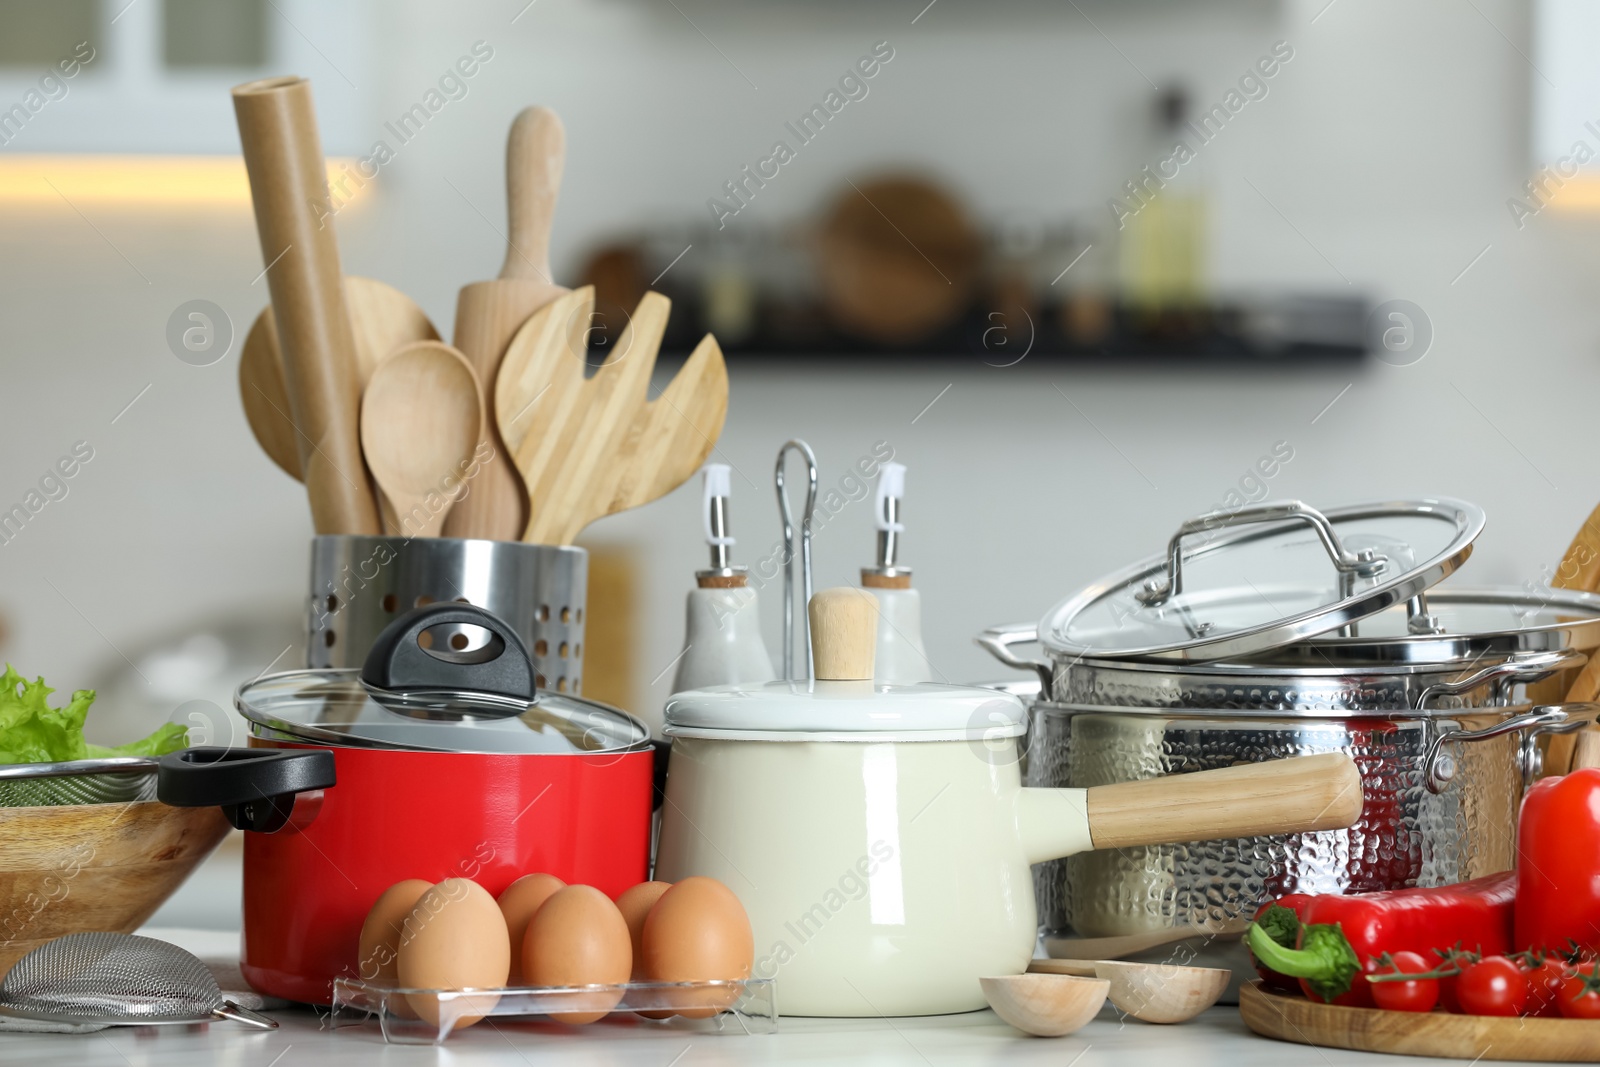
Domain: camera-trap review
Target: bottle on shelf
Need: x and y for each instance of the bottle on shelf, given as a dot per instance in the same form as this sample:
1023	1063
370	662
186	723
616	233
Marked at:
722	632
901	659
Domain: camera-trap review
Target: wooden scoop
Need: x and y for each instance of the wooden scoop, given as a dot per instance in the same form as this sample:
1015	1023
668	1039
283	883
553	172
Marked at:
488	314
1045	1005
589	447
1150	992
421	420
382	318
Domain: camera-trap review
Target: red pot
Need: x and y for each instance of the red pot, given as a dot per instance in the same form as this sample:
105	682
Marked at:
430	782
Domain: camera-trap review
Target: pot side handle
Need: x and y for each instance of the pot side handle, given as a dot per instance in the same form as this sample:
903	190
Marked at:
255	788
1321	792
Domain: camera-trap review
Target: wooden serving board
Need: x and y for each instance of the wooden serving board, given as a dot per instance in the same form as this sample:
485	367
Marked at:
1466	1037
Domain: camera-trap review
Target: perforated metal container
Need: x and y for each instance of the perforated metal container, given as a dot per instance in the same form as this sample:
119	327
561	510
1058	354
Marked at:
361	584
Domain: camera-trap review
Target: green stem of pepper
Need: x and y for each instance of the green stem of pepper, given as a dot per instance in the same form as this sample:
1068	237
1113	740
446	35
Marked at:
1324	959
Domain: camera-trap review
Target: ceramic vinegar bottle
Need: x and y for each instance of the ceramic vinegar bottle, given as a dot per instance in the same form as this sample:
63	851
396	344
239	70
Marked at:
722	634
901	659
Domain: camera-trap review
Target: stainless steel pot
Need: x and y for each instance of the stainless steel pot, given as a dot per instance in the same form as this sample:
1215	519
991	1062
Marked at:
1424	688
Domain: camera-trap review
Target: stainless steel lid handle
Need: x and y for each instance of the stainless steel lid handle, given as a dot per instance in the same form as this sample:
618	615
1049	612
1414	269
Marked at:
1440	768
997	641
1366	562
1522	667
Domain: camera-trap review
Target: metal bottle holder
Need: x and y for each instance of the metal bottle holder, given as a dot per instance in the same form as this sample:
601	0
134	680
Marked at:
361	584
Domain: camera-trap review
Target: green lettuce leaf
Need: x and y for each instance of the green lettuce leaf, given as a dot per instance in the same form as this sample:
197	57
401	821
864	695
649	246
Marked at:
31	731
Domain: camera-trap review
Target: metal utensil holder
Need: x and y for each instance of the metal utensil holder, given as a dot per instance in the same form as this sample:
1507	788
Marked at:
360	584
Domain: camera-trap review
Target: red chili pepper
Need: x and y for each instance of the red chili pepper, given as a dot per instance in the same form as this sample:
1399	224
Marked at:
1558	864
1281	920
1342	936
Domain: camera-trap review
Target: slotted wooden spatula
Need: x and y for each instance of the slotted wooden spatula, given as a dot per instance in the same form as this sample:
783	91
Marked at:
587	448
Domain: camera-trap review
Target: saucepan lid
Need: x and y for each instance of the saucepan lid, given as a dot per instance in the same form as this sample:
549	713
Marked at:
1234	585
851	710
443	678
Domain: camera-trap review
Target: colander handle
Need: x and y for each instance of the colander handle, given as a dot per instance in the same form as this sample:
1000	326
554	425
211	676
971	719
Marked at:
254	787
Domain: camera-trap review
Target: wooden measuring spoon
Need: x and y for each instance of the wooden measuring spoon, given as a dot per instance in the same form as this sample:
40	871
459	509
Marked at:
382	319
421	419
488	314
1045	1005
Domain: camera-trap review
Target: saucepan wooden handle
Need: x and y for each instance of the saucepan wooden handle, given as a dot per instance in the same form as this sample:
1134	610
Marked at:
1320	792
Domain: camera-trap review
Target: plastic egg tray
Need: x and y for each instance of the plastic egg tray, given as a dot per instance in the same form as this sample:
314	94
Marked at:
753	1010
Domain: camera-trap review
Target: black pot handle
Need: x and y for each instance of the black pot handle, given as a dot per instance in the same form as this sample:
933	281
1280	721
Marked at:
397	661
254	787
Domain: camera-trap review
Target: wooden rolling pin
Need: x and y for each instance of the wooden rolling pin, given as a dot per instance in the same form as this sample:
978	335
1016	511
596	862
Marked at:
488	315
289	187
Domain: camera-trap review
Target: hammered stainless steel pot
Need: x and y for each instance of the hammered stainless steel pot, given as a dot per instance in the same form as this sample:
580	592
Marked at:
1424	688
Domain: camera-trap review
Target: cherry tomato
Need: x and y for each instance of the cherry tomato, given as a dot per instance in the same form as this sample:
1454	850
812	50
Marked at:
1545	982
1580	994
1418	995
1461	960
1493	986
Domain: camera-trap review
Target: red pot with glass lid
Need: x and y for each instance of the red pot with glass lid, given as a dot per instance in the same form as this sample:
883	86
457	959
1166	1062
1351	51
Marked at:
438	759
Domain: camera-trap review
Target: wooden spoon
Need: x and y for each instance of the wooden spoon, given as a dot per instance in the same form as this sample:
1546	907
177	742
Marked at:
488	314
1045	1005
421	419
382	319
1162	992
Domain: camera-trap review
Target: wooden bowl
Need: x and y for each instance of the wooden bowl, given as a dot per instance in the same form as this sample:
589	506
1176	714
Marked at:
1045	1005
1161	992
72	868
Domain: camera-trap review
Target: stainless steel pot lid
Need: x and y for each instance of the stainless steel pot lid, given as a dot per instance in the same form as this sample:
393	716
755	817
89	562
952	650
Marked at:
443	678
1457	626
1232	586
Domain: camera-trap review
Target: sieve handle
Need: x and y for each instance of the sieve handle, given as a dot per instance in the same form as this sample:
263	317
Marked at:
255	788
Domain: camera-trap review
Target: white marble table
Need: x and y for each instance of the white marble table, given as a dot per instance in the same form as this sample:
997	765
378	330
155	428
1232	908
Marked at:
1216	1039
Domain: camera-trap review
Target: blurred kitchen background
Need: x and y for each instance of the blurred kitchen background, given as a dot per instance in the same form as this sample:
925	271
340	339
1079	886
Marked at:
1349	268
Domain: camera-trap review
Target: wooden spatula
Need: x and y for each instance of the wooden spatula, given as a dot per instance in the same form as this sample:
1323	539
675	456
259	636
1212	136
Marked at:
488	314
590	447
382	318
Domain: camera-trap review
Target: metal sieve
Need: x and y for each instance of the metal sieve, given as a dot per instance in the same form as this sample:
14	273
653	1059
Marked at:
117	980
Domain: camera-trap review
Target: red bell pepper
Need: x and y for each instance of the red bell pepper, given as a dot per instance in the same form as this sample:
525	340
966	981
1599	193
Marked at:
1343	936
1281	920
1558	864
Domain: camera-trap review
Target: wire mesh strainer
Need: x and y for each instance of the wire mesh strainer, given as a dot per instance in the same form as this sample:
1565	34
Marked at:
115	780
117	980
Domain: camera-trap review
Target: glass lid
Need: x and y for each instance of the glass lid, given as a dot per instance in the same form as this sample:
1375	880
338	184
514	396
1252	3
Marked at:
443	678
1233	585
335	707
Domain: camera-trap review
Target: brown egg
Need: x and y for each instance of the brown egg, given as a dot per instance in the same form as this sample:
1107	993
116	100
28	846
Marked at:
518	903
578	938
455	938
635	904
698	931
381	934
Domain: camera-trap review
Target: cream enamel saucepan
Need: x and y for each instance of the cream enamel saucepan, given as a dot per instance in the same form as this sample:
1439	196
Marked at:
880	837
